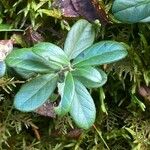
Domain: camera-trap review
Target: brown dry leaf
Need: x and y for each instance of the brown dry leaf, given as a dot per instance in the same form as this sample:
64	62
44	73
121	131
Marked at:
47	110
32	37
74	134
88	9
144	91
6	46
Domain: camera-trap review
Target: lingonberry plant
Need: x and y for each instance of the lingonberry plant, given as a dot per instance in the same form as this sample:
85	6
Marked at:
128	11
72	70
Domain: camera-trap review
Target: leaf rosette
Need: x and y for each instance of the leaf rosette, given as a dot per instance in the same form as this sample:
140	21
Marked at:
73	70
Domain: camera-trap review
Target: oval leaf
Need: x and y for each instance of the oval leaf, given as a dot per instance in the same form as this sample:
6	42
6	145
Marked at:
101	53
66	95
89	76
82	108
51	52
104	77
34	93
24	61
132	11
80	37
2	68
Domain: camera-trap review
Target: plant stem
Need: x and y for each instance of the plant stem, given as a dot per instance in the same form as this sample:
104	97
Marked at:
100	135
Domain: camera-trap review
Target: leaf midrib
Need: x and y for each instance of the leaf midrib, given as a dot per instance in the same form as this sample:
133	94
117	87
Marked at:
94	57
129	7
39	89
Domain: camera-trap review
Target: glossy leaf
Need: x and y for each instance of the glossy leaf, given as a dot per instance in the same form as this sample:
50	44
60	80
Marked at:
34	93
80	37
132	11
104	77
2	68
66	95
89	76
51	52
82	108
101	53
24	73
24	61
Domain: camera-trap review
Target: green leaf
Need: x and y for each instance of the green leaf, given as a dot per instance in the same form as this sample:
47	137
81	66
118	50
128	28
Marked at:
26	74
51	52
80	37
2	68
101	53
52	13
82	108
6	28
132	11
25	62
146	19
104	77
89	76
34	93
66	95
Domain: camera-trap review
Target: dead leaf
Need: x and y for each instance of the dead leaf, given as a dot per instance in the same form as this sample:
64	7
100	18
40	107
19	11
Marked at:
47	110
74	134
6	46
32	37
144	91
